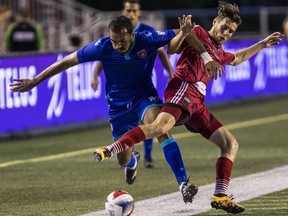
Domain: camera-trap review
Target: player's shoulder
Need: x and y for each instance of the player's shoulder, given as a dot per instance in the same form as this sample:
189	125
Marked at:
143	27
200	32
199	28
102	42
147	35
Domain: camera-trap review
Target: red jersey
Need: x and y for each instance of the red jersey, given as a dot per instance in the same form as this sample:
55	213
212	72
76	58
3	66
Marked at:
190	66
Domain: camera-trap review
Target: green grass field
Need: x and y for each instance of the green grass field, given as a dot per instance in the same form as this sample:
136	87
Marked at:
57	174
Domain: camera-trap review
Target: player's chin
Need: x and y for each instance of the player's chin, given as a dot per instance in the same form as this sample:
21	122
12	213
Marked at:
121	51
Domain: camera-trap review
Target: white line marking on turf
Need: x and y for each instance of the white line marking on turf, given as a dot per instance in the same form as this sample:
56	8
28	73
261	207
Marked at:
233	126
47	158
244	124
244	188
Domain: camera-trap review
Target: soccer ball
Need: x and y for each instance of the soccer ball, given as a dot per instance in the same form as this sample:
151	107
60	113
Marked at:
119	203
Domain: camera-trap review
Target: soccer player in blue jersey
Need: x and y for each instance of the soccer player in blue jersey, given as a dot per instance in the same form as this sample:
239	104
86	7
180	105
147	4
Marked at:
128	59
132	10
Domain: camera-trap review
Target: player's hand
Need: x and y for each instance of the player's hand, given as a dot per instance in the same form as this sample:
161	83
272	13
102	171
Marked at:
186	24
22	85
213	69
95	84
272	39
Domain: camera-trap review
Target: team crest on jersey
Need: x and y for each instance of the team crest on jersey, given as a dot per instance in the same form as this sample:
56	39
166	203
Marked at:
160	32
142	53
186	101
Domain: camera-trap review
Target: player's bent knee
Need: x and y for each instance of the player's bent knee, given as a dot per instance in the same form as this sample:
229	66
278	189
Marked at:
232	146
235	146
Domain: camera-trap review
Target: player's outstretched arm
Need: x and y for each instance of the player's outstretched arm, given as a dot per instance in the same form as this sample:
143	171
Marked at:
165	62
22	85
244	54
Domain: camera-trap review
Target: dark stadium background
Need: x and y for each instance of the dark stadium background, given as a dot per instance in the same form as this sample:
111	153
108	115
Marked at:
182	4
247	8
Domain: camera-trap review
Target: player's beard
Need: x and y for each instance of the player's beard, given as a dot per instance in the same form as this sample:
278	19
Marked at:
125	49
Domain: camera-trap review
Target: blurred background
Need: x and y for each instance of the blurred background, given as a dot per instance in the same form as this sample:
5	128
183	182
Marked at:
61	20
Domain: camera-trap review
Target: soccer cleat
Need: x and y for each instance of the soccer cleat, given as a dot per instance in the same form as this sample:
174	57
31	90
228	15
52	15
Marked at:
131	173
148	162
227	204
188	191
101	154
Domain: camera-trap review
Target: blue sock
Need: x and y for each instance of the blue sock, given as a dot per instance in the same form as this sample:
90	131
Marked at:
132	161
173	157
148	144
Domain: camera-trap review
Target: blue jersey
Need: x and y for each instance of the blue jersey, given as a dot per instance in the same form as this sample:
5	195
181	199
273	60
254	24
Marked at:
128	76
141	27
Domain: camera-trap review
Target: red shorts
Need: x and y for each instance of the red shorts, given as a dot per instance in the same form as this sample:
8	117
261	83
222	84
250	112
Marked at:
195	115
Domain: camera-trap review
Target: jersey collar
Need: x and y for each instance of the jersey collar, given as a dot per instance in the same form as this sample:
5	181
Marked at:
137	27
127	54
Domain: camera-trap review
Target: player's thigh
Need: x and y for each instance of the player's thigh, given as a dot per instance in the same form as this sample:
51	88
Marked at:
148	108
123	122
203	122
149	118
151	114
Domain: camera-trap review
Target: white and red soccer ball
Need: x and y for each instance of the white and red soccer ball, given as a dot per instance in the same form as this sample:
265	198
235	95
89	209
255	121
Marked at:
119	203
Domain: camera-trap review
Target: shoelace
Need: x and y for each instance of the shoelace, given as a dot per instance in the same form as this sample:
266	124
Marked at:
185	192
231	201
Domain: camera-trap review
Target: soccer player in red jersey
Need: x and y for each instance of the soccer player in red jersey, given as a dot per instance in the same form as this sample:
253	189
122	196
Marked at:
185	95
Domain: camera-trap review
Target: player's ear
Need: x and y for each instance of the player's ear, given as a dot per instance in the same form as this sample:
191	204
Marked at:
133	34
214	21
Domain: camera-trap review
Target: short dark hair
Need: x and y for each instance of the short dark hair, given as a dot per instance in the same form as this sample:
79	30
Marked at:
120	23
230	11
75	40
131	2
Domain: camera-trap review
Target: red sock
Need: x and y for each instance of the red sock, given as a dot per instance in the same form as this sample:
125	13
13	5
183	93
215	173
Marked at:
223	174
135	135
132	137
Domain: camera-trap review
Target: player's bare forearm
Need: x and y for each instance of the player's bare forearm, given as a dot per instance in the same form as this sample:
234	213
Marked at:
165	61
195	43
26	84
186	26
97	71
56	68
175	44
244	54
212	68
